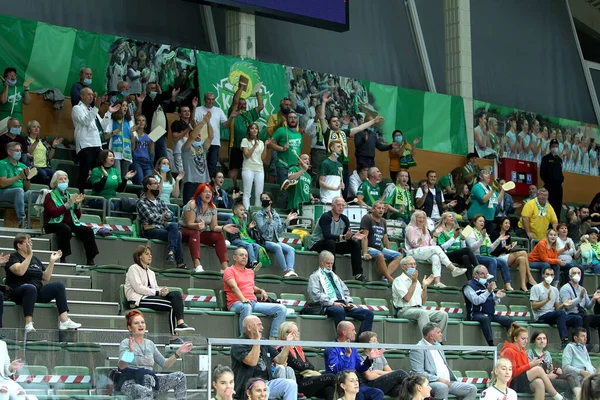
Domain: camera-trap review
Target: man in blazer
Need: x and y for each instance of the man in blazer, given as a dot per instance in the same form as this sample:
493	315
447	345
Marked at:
432	364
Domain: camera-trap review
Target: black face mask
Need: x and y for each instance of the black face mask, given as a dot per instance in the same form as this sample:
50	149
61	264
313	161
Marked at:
155	192
266	203
285	111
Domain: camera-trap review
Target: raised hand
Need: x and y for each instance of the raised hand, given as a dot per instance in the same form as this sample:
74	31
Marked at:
427	280
326	97
104	170
140	97
185	348
375	353
57	141
207	117
416	141
180	176
16	365
379	119
130	174
195	102
114	108
175	92
4	258
230	228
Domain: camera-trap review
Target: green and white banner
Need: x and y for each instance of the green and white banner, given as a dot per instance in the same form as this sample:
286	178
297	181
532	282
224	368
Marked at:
52	55
221	74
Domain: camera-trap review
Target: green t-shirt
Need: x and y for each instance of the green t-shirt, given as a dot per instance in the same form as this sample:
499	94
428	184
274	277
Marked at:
446	180
18	99
487	209
240	126
287	158
329	167
8	170
342	135
400	197
369	192
112	181
300	193
444	237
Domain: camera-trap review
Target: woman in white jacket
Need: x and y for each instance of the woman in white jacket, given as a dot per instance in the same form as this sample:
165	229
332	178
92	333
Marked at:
10	389
142	290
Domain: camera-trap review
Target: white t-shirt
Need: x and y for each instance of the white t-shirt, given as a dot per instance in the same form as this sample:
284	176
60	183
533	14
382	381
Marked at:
492	393
435	212
216	119
441	369
254	163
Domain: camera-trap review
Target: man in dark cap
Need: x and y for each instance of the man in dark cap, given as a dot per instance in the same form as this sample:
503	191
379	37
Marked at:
552	175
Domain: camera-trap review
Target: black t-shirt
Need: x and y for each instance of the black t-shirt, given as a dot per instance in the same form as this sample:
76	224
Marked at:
33	275
244	372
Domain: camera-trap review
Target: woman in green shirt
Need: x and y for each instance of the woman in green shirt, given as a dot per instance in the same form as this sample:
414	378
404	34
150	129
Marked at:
485	199
447	233
107	180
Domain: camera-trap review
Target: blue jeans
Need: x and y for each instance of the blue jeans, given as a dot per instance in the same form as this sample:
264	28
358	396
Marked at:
277	311
169	234
492	264
388	255
212	159
99	204
562	320
251	248
339	314
43	176
370	393
142	167
17	197
485	320
286	389
542	265
160	148
283	253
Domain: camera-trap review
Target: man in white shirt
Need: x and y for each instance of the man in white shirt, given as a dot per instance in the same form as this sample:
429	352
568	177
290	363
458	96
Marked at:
217	118
88	126
409	295
432	364
360	174
431	200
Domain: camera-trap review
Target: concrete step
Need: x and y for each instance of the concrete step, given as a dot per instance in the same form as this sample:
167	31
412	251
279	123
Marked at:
7	241
100	321
94	307
67	268
43	255
73	281
84	294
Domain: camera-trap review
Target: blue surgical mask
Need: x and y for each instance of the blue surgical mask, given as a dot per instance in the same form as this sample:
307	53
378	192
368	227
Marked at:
124	93
87	81
152	95
11	82
62	186
398	139
436	343
15	131
410	271
165	168
285	111
16	155
483	281
197	144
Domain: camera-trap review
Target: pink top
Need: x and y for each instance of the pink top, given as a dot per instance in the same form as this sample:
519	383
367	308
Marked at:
413	234
244	280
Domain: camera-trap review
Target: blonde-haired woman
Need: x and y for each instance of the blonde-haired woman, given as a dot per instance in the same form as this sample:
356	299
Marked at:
498	389
422	247
449	239
40	153
310	381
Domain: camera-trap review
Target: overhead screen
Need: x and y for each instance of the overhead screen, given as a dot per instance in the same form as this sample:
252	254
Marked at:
326	14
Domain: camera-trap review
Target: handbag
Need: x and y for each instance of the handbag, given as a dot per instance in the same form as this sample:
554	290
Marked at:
312	309
256	236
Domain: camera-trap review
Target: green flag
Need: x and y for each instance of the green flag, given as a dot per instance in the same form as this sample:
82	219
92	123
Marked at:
220	74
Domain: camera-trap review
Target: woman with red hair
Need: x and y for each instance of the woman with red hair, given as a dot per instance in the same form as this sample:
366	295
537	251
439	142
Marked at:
198	224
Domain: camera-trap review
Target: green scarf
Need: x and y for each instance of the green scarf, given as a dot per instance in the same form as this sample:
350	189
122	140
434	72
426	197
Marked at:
404	198
596	249
486	244
542	212
57	199
319	130
329	289
263	257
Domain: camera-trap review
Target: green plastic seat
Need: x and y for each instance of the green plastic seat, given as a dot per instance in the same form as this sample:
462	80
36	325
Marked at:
452	304
378	302
210	302
90	219
520	309
293	297
73	370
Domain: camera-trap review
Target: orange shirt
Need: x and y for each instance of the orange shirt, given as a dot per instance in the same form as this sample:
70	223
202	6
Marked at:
541	252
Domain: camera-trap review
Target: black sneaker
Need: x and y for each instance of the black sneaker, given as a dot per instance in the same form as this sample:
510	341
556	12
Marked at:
176	341
184	328
563	343
171	259
360	277
182	266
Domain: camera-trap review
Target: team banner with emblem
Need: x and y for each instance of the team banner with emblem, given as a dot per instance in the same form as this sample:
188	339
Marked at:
221	74
507	132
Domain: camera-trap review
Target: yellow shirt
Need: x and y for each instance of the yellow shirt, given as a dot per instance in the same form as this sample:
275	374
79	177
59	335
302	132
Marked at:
273	123
538	224
39	156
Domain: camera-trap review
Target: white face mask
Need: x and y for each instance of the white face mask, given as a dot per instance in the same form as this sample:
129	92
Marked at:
576	278
549	279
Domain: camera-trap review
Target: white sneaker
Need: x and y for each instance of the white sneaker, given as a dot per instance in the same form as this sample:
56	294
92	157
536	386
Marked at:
458	272
68	324
290	273
29	328
199	269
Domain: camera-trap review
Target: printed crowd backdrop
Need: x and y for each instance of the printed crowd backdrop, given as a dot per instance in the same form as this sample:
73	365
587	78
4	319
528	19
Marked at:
506	132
